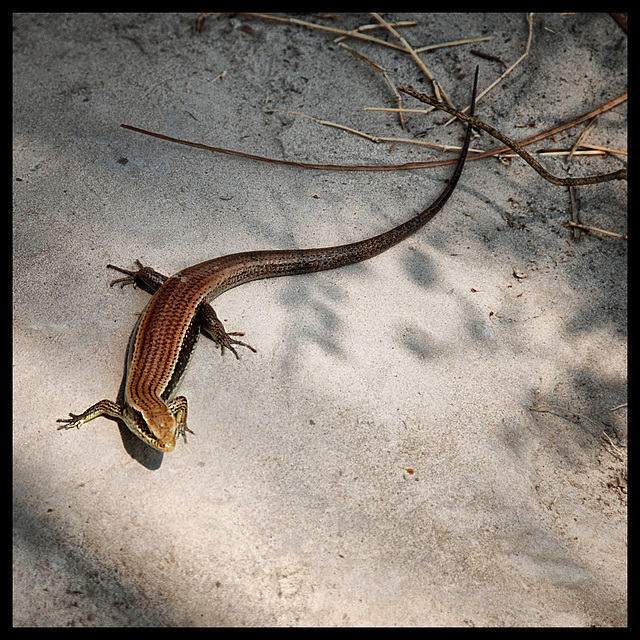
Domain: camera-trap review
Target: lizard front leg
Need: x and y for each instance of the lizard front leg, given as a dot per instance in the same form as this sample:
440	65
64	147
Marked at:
102	408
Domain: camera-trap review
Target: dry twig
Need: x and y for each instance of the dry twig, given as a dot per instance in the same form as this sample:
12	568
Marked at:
581	138
390	167
505	73
383	71
407	166
321	27
562	152
621	174
597	147
453	43
369	27
409	49
358	33
574	213
585	227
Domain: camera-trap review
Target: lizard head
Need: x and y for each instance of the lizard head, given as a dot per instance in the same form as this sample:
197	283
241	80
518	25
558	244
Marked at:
156	426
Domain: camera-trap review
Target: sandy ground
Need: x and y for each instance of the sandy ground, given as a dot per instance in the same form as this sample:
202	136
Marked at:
377	462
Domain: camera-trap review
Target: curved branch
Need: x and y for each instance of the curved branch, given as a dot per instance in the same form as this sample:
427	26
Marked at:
621	174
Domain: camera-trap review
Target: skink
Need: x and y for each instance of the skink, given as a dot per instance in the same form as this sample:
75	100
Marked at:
166	333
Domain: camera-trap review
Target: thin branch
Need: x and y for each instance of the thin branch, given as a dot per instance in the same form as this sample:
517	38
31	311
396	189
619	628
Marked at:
321	27
369	27
507	71
583	149
597	147
620	406
378	139
453	43
334	125
383	71
586	227
621	19
409	49
488	56
542	135
357	33
582	137
407	166
574	214
558	152
621	174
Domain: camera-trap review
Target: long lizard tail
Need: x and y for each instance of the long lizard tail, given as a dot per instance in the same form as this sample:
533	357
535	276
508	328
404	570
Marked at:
254	265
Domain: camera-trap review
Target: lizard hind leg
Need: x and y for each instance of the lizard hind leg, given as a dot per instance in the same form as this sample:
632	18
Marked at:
213	327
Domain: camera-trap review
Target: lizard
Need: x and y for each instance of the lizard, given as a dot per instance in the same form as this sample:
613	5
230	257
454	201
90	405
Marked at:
166	333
